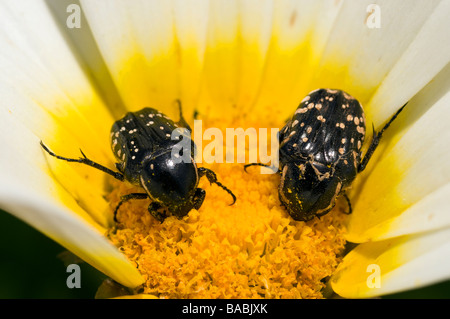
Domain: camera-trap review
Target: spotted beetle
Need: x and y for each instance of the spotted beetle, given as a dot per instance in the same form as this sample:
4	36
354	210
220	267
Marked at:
320	152
142	145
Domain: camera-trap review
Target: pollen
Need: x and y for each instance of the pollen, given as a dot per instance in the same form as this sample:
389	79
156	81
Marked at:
252	249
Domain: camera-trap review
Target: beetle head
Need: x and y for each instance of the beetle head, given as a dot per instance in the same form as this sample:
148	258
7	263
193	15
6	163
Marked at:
172	184
308	189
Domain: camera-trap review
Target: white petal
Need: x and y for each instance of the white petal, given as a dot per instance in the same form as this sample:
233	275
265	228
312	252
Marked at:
407	190
139	47
69	230
237	41
28	191
424	58
394	265
46	96
190	24
358	56
39	96
300	32
84	48
37	63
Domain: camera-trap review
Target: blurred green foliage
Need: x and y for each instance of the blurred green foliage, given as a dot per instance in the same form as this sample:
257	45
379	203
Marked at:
30	268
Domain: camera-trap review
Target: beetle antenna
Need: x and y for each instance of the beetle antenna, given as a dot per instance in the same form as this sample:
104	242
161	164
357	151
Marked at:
212	178
86	161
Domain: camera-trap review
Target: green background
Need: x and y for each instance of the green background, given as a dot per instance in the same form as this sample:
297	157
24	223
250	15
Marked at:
30	268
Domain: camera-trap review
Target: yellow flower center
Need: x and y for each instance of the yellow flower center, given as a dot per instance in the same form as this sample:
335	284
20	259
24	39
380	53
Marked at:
252	249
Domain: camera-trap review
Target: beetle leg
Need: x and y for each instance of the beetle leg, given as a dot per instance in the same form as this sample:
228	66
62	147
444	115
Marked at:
212	178
153	210
199	197
322	213
126	198
376	140
195	203
349	204
261	164
85	160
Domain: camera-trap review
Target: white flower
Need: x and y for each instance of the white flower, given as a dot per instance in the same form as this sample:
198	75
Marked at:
66	87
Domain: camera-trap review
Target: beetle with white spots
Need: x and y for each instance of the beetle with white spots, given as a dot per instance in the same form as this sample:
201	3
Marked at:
320	158
142	145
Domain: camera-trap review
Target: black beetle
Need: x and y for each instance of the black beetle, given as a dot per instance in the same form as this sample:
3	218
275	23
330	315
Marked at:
141	142
320	152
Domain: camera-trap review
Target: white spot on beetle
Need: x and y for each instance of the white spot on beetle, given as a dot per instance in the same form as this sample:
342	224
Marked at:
341	151
305	139
309	129
161	127
301	110
294	123
356	120
348	97
133	157
349	117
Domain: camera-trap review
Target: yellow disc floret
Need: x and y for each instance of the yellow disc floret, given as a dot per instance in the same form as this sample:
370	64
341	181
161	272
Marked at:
252	249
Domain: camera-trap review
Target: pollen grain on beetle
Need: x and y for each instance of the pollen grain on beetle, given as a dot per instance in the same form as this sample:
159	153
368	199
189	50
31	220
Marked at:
252	249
